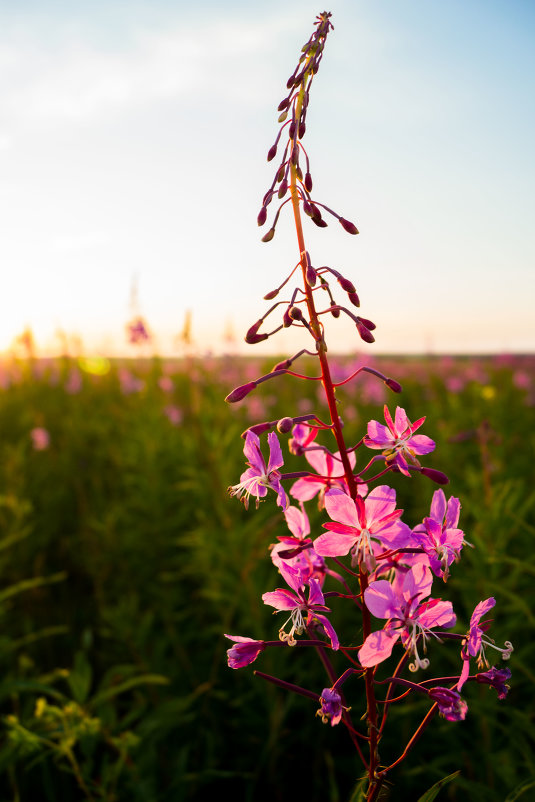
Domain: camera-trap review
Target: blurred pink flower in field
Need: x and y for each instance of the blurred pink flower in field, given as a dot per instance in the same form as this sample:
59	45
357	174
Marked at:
173	413
454	384
137	331
73	384
129	383
521	379
40	438
165	383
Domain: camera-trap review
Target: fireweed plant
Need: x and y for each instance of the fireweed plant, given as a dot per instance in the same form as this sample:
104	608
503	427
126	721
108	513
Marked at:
379	564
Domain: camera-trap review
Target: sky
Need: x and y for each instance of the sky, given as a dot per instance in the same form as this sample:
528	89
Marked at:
133	142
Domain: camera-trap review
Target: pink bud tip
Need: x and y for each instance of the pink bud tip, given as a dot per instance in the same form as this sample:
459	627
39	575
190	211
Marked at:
240	392
348	226
368	323
355	300
252	339
285	425
269	236
262	215
284	365
394	385
435	476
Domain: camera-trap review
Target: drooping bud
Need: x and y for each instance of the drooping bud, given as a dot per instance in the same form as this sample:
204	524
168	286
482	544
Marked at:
283	188
345	284
280	173
285	425
262	216
258	428
282	117
355	300
269	236
272	294
348	226
394	385
319	221
302	129
284	104
239	393
295	155
335	312
291	130
253	336
365	333
368	323
435	476
272	152
308	182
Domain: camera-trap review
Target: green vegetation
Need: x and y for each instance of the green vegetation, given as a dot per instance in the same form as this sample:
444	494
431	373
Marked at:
123	562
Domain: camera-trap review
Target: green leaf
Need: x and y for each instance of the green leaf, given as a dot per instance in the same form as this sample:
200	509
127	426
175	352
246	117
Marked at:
80	677
519	790
127	685
431	793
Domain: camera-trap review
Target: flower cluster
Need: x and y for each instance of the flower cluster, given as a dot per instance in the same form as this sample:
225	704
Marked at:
367	555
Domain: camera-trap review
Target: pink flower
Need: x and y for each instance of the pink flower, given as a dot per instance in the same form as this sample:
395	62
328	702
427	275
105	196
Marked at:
137	331
173	414
496	677
299	606
331	474
244	652
473	645
360	524
439	536
40	438
331	707
408	618
298	550
258	477
450	705
397	440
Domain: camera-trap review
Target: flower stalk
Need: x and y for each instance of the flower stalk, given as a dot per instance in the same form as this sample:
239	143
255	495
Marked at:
385	567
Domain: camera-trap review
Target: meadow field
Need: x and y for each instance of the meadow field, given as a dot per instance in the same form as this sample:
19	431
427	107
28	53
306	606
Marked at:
123	561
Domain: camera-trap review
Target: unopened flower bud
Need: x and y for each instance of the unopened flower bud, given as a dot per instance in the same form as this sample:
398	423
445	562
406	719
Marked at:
283	188
311	276
286	319
346	284
240	392
284	365
282	117
295	156
285	425
348	226
302	129
368	323
335	312
272	152
295	313
258	428
435	476
280	173
353	297
284	104
253	336
272	294
365	333
291	130
308	182
269	236
394	385
262	216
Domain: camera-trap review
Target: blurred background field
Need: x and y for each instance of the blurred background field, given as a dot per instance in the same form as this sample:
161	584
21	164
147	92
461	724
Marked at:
123	561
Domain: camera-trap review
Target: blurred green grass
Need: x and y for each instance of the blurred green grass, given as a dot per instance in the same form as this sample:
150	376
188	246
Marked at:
123	561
